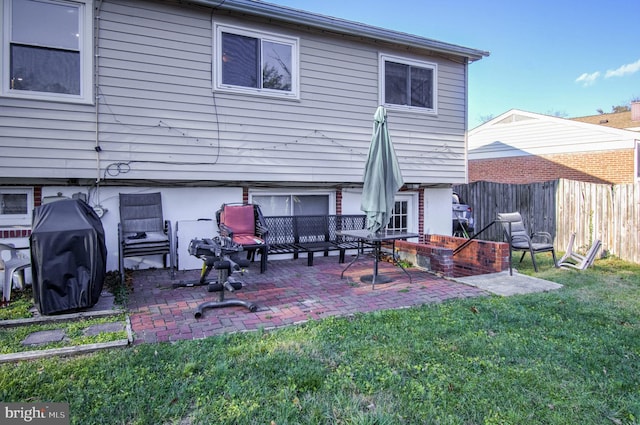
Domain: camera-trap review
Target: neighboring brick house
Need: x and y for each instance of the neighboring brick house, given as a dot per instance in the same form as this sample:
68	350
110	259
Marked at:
627	120
523	147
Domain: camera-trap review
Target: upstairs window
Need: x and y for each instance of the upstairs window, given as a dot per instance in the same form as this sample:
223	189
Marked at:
407	84
255	62
47	49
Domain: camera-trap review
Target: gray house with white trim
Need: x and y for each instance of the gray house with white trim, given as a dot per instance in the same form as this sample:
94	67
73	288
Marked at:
211	102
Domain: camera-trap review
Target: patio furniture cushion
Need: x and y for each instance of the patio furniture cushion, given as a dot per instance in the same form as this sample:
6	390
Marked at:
244	225
241	220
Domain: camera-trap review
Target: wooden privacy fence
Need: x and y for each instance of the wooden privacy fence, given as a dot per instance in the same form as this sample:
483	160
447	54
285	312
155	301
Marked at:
610	213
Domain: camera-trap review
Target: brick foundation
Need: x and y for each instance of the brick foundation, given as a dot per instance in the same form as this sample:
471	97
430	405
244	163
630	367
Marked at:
435	253
15	233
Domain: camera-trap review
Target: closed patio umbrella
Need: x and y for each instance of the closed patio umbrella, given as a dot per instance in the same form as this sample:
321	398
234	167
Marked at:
382	177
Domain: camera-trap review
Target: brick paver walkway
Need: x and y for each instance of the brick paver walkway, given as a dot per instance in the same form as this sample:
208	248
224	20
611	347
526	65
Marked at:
288	293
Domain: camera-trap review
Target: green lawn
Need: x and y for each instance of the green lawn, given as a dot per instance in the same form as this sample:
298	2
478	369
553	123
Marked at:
565	357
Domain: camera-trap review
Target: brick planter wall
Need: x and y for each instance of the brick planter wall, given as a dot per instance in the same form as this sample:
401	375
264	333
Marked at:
435	253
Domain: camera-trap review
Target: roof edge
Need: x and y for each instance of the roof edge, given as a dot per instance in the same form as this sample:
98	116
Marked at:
566	121
315	20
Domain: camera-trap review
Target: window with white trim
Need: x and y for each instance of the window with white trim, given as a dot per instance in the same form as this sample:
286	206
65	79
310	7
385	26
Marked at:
261	63
404	216
292	204
399	220
16	205
47	49
408	84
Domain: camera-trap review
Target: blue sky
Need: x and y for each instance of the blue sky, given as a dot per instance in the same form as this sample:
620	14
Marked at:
566	58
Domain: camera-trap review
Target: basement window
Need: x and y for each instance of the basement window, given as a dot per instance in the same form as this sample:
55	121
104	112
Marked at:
292	204
16	205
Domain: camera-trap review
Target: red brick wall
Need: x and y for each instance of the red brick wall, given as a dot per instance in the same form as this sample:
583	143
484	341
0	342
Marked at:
37	196
479	257
433	258
421	211
15	233
608	167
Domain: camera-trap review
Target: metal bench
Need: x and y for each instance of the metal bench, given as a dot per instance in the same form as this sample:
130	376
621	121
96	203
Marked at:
312	233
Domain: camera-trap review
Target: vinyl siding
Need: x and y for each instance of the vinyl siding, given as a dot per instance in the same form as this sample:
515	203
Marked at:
157	111
544	135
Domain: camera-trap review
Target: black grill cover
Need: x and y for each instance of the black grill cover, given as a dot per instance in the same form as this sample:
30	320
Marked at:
68	256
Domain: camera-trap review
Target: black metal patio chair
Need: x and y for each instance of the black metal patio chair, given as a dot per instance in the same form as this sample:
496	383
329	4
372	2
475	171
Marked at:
520	239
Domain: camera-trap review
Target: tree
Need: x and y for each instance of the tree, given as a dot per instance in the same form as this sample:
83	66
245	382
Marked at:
486	118
620	108
624	107
559	114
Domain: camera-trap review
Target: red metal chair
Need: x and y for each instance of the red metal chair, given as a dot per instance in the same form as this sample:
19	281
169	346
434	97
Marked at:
244	224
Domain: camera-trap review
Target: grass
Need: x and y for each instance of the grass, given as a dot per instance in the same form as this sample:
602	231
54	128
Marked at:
11	338
21	306
564	357
22	301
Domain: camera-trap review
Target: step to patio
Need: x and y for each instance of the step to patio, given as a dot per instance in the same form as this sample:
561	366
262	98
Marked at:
105	307
505	284
41	338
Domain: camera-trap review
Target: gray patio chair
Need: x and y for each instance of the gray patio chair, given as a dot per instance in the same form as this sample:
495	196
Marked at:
14	265
520	239
143	231
572	259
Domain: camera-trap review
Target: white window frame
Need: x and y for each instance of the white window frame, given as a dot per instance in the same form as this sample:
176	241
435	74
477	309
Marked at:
18	219
293	42
411	62
86	55
411	198
331	195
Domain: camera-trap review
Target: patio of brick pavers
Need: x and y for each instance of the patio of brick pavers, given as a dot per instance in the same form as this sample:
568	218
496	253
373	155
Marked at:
289	292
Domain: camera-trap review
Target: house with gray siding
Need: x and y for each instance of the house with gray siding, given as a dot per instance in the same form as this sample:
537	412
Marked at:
214	102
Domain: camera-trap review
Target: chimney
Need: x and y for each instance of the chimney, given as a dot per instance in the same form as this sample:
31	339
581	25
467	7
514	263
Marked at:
635	111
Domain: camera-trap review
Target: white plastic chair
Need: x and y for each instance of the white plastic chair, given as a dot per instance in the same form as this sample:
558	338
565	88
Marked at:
572	259
12	265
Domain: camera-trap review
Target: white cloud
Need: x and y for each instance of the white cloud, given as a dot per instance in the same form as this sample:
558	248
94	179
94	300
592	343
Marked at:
588	79
630	68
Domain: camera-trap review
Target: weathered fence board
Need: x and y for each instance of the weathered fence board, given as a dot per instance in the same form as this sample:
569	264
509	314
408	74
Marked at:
610	213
